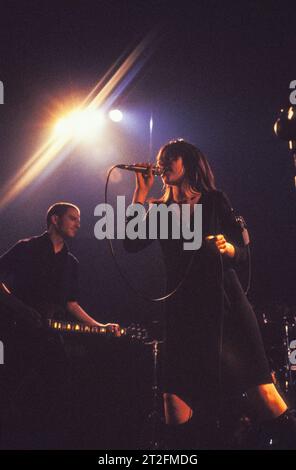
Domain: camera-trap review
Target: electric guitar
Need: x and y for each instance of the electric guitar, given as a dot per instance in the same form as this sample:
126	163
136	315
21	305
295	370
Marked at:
133	331
34	319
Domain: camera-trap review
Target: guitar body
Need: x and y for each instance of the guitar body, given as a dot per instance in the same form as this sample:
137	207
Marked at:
61	381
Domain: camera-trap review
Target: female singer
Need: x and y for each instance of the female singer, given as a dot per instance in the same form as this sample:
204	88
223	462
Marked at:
213	345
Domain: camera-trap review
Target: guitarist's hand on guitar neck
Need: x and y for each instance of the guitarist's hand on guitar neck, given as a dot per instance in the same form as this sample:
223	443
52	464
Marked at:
113	328
77	311
133	331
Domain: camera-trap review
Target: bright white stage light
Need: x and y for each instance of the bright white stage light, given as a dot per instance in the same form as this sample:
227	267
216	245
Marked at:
115	115
80	125
62	128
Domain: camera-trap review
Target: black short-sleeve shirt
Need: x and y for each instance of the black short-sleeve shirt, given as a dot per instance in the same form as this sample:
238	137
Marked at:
39	276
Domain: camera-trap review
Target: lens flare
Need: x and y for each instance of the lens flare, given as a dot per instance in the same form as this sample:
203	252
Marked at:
115	115
80	125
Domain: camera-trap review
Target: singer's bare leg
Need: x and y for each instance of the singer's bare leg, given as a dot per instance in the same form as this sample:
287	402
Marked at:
265	399
176	410
266	402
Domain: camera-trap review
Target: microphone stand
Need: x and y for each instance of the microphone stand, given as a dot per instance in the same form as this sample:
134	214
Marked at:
155	416
285	129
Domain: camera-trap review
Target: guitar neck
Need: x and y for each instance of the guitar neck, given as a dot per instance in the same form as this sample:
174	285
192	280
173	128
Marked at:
81	328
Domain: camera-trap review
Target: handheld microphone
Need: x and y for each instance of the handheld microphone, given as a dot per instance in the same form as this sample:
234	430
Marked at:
141	169
243	226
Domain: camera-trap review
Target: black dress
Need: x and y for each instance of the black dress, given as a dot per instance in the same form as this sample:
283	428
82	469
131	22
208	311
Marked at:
213	342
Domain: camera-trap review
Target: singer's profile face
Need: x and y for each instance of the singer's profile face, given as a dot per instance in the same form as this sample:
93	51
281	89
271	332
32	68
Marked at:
173	170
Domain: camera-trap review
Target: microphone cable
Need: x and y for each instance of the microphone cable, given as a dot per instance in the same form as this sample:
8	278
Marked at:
224	298
123	276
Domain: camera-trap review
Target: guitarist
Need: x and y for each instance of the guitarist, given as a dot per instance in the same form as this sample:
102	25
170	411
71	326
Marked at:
43	274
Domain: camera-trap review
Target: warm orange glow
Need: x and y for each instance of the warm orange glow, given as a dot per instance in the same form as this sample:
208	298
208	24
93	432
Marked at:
4	288
52	149
37	164
291	112
79	125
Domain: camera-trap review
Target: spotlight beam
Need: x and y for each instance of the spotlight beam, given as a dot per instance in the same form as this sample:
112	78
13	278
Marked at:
54	145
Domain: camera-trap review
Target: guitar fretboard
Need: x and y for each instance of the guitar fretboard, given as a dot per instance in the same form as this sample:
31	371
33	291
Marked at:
80	328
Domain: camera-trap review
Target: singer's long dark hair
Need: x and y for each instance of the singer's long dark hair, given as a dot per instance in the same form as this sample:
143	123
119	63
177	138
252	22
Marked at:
198	176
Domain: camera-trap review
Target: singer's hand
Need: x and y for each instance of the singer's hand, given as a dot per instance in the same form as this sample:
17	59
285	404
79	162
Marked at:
222	245
144	182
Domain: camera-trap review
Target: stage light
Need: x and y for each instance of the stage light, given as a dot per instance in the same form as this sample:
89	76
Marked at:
115	115
79	125
56	149
63	128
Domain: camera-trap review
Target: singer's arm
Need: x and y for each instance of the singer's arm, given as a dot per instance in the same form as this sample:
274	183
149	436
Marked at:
229	240
231	230
140	196
144	183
